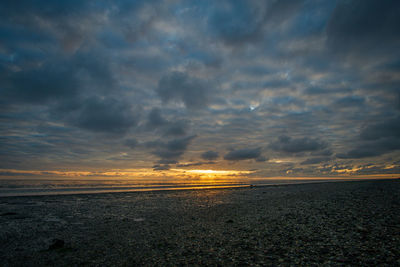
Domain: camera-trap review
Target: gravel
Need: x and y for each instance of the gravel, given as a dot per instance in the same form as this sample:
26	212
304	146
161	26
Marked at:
322	224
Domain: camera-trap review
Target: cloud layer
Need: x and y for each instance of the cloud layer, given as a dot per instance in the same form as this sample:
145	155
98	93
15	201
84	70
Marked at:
282	87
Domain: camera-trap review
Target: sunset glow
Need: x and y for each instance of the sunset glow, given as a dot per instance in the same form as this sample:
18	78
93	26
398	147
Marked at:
218	172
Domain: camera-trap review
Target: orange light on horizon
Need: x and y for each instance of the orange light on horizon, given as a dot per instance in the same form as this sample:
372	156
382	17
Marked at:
138	174
214	172
210	175
147	174
218	172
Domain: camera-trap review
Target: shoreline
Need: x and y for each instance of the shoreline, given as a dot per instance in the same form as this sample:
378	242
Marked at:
30	192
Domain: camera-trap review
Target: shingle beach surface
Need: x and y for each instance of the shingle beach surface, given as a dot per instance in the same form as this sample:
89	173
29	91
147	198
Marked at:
329	224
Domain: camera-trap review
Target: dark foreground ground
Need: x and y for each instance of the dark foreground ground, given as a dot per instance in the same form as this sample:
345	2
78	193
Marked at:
345	223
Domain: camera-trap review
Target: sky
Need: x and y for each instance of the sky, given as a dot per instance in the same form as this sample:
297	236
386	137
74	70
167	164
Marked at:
161	88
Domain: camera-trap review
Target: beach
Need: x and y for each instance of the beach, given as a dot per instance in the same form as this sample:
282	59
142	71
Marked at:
330	224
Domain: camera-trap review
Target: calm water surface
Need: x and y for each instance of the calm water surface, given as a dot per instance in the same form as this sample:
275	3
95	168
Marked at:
20	187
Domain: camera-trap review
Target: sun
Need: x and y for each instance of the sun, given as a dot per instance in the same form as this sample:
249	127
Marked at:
210	172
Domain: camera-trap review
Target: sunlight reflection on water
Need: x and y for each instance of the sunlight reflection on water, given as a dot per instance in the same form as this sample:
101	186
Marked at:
19	187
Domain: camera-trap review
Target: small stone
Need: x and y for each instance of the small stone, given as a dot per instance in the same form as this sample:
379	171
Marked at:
324	250
8	214
57	244
361	229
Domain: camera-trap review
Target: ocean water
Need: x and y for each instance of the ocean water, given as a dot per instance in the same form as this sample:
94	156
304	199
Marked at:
30	187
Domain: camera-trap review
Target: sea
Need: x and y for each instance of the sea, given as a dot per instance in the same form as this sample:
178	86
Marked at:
32	187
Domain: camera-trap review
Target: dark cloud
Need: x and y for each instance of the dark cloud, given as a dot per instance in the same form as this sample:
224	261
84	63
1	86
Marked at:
282	12
57	19
388	128
16	11
372	148
179	87
105	115
179	144
240	22
349	102
194	164
375	140
243	154
322	153
360	152
171	151
76	90
325	91
364	27
371	169
159	167
261	159
156	121
40	85
167	161
237	22
210	155
131	143
177	128
315	160
296	145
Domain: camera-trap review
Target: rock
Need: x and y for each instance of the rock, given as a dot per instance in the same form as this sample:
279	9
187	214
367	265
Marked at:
361	229
57	244
229	221
324	250
8	214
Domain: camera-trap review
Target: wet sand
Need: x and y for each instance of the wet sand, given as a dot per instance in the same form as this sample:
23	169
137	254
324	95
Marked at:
329	224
